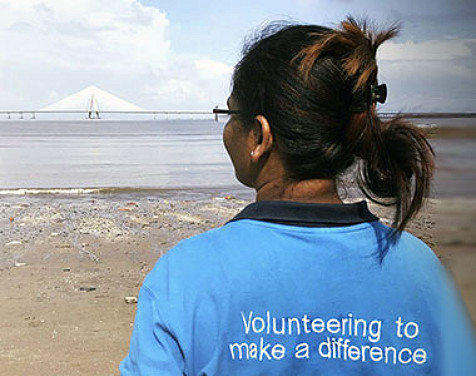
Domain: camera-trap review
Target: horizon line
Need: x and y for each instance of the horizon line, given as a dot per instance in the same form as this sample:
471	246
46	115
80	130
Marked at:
430	114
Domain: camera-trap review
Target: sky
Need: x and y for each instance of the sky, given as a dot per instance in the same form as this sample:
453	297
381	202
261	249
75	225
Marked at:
179	54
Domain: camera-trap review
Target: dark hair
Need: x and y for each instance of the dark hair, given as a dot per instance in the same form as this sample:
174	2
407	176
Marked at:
313	84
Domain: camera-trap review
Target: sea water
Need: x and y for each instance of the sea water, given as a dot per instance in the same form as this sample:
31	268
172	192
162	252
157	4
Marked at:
102	153
161	154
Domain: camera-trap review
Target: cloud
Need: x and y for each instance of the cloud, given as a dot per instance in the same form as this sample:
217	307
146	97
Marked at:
213	67
53	48
428	50
435	75
86	33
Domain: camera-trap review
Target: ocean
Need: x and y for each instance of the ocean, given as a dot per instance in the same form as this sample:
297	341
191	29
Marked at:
113	155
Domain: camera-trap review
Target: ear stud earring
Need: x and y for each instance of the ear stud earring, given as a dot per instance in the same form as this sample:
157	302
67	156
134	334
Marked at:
252	153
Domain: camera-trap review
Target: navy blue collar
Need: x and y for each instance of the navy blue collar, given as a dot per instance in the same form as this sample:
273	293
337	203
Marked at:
307	214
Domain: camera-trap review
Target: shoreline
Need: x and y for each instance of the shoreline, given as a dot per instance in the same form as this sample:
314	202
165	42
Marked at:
68	263
197	193
450	132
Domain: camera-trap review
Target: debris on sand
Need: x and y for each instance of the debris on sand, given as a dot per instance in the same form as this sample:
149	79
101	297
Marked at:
14	242
130	299
87	289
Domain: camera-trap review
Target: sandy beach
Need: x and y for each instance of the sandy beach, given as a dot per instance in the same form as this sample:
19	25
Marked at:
71	268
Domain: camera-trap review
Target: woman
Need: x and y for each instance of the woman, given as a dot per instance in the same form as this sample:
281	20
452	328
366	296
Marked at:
299	283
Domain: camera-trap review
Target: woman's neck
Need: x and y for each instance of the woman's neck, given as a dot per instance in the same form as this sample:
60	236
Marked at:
312	190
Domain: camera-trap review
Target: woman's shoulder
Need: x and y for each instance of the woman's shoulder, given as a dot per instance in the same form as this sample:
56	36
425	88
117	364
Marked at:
413	249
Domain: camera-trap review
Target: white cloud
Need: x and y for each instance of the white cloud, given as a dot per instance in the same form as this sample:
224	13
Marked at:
435	75
84	33
427	50
52	48
213	67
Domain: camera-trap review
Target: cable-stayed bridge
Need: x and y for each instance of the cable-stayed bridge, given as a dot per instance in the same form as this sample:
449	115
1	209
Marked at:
93	103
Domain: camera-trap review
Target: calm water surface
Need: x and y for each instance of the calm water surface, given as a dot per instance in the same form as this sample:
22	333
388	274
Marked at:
159	154
92	153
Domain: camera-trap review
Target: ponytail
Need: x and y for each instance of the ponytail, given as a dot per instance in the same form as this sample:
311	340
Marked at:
396	165
396	160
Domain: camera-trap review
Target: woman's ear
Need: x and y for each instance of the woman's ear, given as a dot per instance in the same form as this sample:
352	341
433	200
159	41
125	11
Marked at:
263	138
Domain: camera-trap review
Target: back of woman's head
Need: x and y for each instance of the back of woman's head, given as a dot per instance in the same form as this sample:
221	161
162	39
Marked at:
318	89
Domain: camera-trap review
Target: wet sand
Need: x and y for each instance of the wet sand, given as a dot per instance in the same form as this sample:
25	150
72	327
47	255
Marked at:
68	263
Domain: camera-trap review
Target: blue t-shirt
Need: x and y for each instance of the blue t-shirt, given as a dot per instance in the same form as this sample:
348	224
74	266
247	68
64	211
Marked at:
300	289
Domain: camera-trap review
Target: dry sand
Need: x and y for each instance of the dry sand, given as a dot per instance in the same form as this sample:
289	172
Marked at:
68	263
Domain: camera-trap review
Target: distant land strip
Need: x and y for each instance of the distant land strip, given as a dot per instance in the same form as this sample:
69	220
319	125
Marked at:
412	115
429	115
153	112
